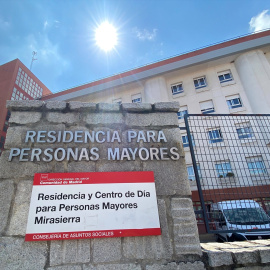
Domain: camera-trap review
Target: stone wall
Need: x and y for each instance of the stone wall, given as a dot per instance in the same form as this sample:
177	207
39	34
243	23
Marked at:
248	255
179	242
177	248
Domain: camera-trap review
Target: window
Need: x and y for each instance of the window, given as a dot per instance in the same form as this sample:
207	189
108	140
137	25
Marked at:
177	88
186	142
136	98
224	169
181	113
234	102
207	107
225	76
117	100
217	216
200	82
2	139
256	165
245	131
191	173
215	136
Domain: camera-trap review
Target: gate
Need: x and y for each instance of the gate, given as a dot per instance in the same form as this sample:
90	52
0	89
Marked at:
230	156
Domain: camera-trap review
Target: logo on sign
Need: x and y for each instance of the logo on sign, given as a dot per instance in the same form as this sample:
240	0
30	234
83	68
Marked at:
44	177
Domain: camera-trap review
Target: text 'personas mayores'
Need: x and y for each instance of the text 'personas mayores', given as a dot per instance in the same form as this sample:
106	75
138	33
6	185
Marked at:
83	138
62	208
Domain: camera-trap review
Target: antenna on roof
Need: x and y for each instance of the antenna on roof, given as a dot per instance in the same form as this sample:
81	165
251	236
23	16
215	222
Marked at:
33	59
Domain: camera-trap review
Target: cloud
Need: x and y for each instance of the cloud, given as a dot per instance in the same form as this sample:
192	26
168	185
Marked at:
4	25
260	22
56	24
47	24
145	34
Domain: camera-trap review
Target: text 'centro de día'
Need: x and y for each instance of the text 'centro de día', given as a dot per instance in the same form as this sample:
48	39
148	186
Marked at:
92	153
63	208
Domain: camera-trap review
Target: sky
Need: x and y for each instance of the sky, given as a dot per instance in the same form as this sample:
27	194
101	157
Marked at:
62	33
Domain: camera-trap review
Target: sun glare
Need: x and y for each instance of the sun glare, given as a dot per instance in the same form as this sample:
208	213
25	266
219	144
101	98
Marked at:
106	36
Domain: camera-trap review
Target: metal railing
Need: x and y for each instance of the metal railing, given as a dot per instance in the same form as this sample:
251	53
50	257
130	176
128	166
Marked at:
231	161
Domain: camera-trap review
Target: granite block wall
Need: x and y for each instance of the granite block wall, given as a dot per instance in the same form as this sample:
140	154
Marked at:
179	241
178	246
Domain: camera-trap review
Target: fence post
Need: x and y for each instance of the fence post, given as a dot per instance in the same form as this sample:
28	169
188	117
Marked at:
206	221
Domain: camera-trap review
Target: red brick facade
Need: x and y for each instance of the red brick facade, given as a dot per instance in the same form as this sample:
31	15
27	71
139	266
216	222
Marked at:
17	82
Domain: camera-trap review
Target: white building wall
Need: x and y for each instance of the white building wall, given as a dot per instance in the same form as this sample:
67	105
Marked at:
214	90
154	90
251	75
254	71
124	93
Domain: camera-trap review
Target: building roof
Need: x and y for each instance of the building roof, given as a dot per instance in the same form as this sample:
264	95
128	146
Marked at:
217	51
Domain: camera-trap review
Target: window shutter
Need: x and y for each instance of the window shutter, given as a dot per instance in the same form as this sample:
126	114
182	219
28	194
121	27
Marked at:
232	97
206	105
183	108
136	96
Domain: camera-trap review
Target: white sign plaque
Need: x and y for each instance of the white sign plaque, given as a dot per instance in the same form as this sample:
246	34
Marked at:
91	205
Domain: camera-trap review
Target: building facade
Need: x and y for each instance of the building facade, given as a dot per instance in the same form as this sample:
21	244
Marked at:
17	82
231	77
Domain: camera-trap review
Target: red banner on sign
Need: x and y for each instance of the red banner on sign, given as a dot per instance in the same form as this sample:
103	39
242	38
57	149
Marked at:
91	234
93	178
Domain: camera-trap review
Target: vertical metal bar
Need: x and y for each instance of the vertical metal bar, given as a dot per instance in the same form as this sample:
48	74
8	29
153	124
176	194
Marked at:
206	221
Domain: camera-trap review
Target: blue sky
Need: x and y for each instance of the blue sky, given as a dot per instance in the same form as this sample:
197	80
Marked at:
62	33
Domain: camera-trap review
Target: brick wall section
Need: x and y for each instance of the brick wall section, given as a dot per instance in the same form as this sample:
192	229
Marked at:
7	80
177	248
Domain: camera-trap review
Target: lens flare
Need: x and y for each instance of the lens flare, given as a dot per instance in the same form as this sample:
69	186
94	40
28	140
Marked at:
106	36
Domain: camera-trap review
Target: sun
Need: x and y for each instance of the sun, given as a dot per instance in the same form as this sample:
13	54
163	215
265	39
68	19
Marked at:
106	36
